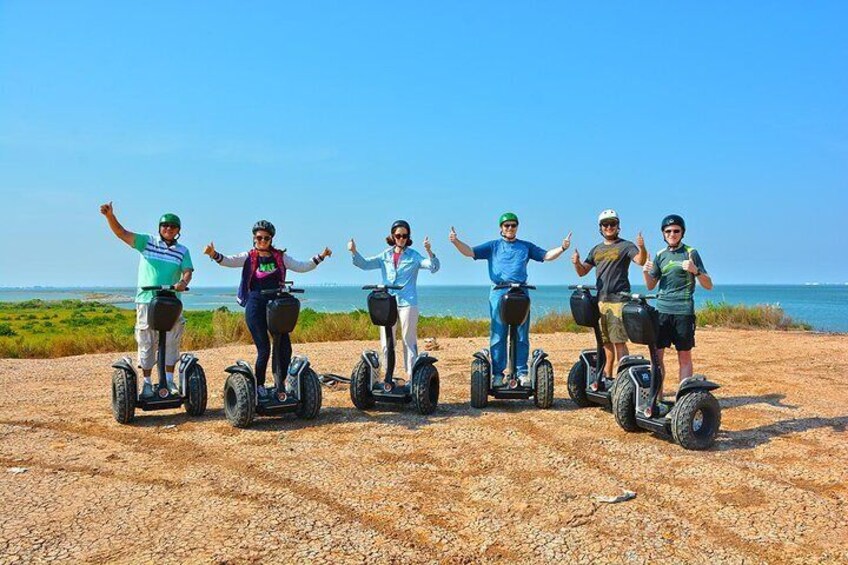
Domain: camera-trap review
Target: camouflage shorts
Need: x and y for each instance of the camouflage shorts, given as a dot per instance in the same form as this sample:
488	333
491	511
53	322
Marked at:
612	325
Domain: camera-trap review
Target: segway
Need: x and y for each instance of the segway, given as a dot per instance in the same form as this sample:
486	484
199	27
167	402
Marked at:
692	420
587	382
368	386
513	309
163	312
244	398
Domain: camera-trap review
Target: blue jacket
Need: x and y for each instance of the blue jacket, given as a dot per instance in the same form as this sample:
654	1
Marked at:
406	273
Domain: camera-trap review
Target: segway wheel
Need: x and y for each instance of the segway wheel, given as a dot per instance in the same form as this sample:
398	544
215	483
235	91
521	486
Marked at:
310	403
544	395
624	403
695	420
425	389
196	394
123	396
577	385
480	379
239	400
360	386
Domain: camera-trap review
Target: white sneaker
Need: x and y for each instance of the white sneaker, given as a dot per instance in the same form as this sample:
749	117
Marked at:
524	380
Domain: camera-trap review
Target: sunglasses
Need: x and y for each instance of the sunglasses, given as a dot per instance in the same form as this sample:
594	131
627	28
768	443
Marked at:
672	231
262	238
609	224
509	226
401	236
169	226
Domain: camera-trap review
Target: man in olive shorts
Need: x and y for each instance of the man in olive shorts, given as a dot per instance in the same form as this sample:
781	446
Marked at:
676	268
612	259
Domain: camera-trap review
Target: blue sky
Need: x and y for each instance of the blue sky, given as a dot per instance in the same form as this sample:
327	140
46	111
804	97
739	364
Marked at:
333	119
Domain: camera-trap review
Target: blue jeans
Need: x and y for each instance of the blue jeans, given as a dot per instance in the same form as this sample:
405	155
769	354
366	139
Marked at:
257	322
498	338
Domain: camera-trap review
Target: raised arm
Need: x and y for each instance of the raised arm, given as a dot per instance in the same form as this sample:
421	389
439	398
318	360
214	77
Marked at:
431	262
361	262
463	248
581	267
305	266
554	253
225	260
120	232
642	256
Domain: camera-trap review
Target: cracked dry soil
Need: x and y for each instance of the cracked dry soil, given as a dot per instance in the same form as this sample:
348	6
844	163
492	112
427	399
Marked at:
505	484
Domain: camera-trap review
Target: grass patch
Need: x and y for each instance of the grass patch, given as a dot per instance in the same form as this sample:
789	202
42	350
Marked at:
42	329
738	316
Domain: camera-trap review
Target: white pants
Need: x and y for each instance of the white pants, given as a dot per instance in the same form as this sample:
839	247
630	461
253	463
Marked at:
408	320
148	340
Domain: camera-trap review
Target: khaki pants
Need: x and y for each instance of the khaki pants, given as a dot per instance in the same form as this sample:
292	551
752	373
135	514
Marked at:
148	340
408	321
612	324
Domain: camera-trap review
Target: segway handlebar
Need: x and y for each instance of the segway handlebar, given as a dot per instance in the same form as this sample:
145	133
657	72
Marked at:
162	287
286	287
582	287
637	296
381	287
514	285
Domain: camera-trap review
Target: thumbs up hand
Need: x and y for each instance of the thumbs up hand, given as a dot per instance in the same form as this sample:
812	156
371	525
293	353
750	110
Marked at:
689	264
427	245
351	246
452	236
575	257
566	243
210	249
648	267
640	241
106	209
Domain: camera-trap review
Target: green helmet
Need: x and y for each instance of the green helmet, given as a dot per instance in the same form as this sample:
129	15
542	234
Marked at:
170	219
507	216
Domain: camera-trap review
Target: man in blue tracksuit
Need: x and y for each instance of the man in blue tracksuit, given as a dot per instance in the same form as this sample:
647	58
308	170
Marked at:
508	258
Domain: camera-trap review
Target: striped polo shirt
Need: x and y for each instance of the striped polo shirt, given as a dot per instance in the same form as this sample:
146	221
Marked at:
160	264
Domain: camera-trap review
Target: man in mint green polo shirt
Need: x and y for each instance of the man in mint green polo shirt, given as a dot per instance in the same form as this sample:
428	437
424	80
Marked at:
676	268
163	262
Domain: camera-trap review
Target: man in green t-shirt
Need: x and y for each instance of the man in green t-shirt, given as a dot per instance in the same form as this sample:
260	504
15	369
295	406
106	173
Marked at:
611	259
676	268
163	262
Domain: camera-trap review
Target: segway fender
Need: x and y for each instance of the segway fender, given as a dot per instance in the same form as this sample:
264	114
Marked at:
537	356
187	362
240	367
421	360
125	364
693	383
298	364
371	359
483	355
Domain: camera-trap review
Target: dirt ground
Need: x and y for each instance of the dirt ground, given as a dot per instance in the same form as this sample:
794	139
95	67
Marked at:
505	484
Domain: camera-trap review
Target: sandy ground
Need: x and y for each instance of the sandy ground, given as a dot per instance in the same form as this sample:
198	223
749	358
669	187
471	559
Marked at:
509	483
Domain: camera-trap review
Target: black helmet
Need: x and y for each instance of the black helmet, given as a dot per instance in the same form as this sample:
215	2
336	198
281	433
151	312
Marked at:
264	225
673	220
401	224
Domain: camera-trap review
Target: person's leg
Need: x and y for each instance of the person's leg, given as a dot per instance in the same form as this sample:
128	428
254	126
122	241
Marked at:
620	351
384	344
522	351
285	353
609	350
257	323
497	337
616	333
408	318
685	360
146	340
173	339
661	363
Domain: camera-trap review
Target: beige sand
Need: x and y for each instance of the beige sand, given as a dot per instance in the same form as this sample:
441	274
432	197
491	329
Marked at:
510	483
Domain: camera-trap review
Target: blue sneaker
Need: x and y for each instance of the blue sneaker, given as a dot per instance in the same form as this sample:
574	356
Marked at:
147	391
498	381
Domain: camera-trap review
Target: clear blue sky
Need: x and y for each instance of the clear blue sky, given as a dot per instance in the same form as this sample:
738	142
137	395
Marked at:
333	119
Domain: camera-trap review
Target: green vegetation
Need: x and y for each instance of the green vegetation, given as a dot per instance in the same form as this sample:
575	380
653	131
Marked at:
41	329
761	316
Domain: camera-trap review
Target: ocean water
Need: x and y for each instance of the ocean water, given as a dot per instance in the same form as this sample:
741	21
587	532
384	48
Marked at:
825	307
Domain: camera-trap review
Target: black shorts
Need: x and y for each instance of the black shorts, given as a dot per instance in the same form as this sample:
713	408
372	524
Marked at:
677	329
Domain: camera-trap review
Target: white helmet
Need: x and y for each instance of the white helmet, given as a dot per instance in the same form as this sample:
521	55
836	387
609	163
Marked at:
608	214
